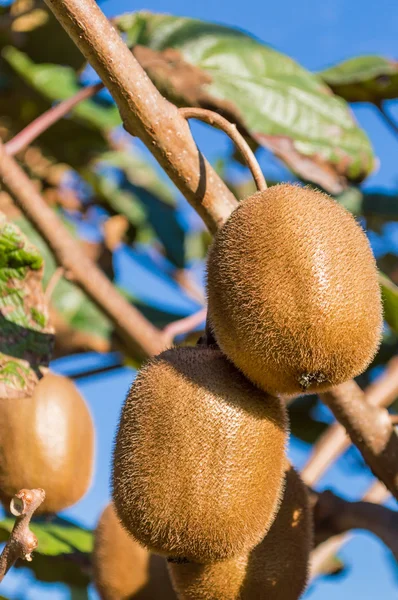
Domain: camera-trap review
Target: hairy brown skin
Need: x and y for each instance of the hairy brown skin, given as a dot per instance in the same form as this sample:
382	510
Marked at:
276	569
294	299
47	441
122	568
199	457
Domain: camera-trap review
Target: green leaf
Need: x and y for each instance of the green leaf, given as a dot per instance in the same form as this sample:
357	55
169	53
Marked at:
364	79
26	336
389	293
279	104
57	83
63	552
59	536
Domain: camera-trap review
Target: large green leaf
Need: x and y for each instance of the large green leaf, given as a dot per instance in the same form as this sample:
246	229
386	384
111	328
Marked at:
390	301
364	79
63	552
273	99
57	83
26	338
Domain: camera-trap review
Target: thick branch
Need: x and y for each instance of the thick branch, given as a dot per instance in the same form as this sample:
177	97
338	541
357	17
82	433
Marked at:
369	428
48	118
321	555
22	541
135	330
334	515
144	111
335	440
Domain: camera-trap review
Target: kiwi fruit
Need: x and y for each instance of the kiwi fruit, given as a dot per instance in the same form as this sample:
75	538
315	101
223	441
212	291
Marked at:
276	569
293	292
47	441
122	568
199	457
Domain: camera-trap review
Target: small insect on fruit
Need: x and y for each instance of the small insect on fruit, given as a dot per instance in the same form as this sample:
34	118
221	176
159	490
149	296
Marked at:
294	298
124	570
47	441
199	457
276	569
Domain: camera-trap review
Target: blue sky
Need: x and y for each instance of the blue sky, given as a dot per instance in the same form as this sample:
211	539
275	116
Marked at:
316	34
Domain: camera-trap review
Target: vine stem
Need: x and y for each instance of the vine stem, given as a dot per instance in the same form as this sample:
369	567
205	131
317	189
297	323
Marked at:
22	541
322	554
335	515
335	440
331	445
216	120
48	118
183	325
131	325
370	428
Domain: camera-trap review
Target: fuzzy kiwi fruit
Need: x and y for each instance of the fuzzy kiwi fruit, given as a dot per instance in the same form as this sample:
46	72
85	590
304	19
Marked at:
122	568
47	441
293	292
276	569
199	457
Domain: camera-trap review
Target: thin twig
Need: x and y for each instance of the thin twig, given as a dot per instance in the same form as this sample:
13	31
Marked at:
145	112
216	120
48	118
52	284
335	440
392	124
183	326
321	555
369	428
131	325
22	541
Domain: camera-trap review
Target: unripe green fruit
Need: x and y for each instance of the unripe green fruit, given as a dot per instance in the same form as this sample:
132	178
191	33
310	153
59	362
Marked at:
47	441
276	569
294	299
199	457
124	570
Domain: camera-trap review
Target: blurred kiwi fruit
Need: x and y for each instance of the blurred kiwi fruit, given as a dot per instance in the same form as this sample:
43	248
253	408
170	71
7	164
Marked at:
276	569
293	292
124	570
199	457
47	441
